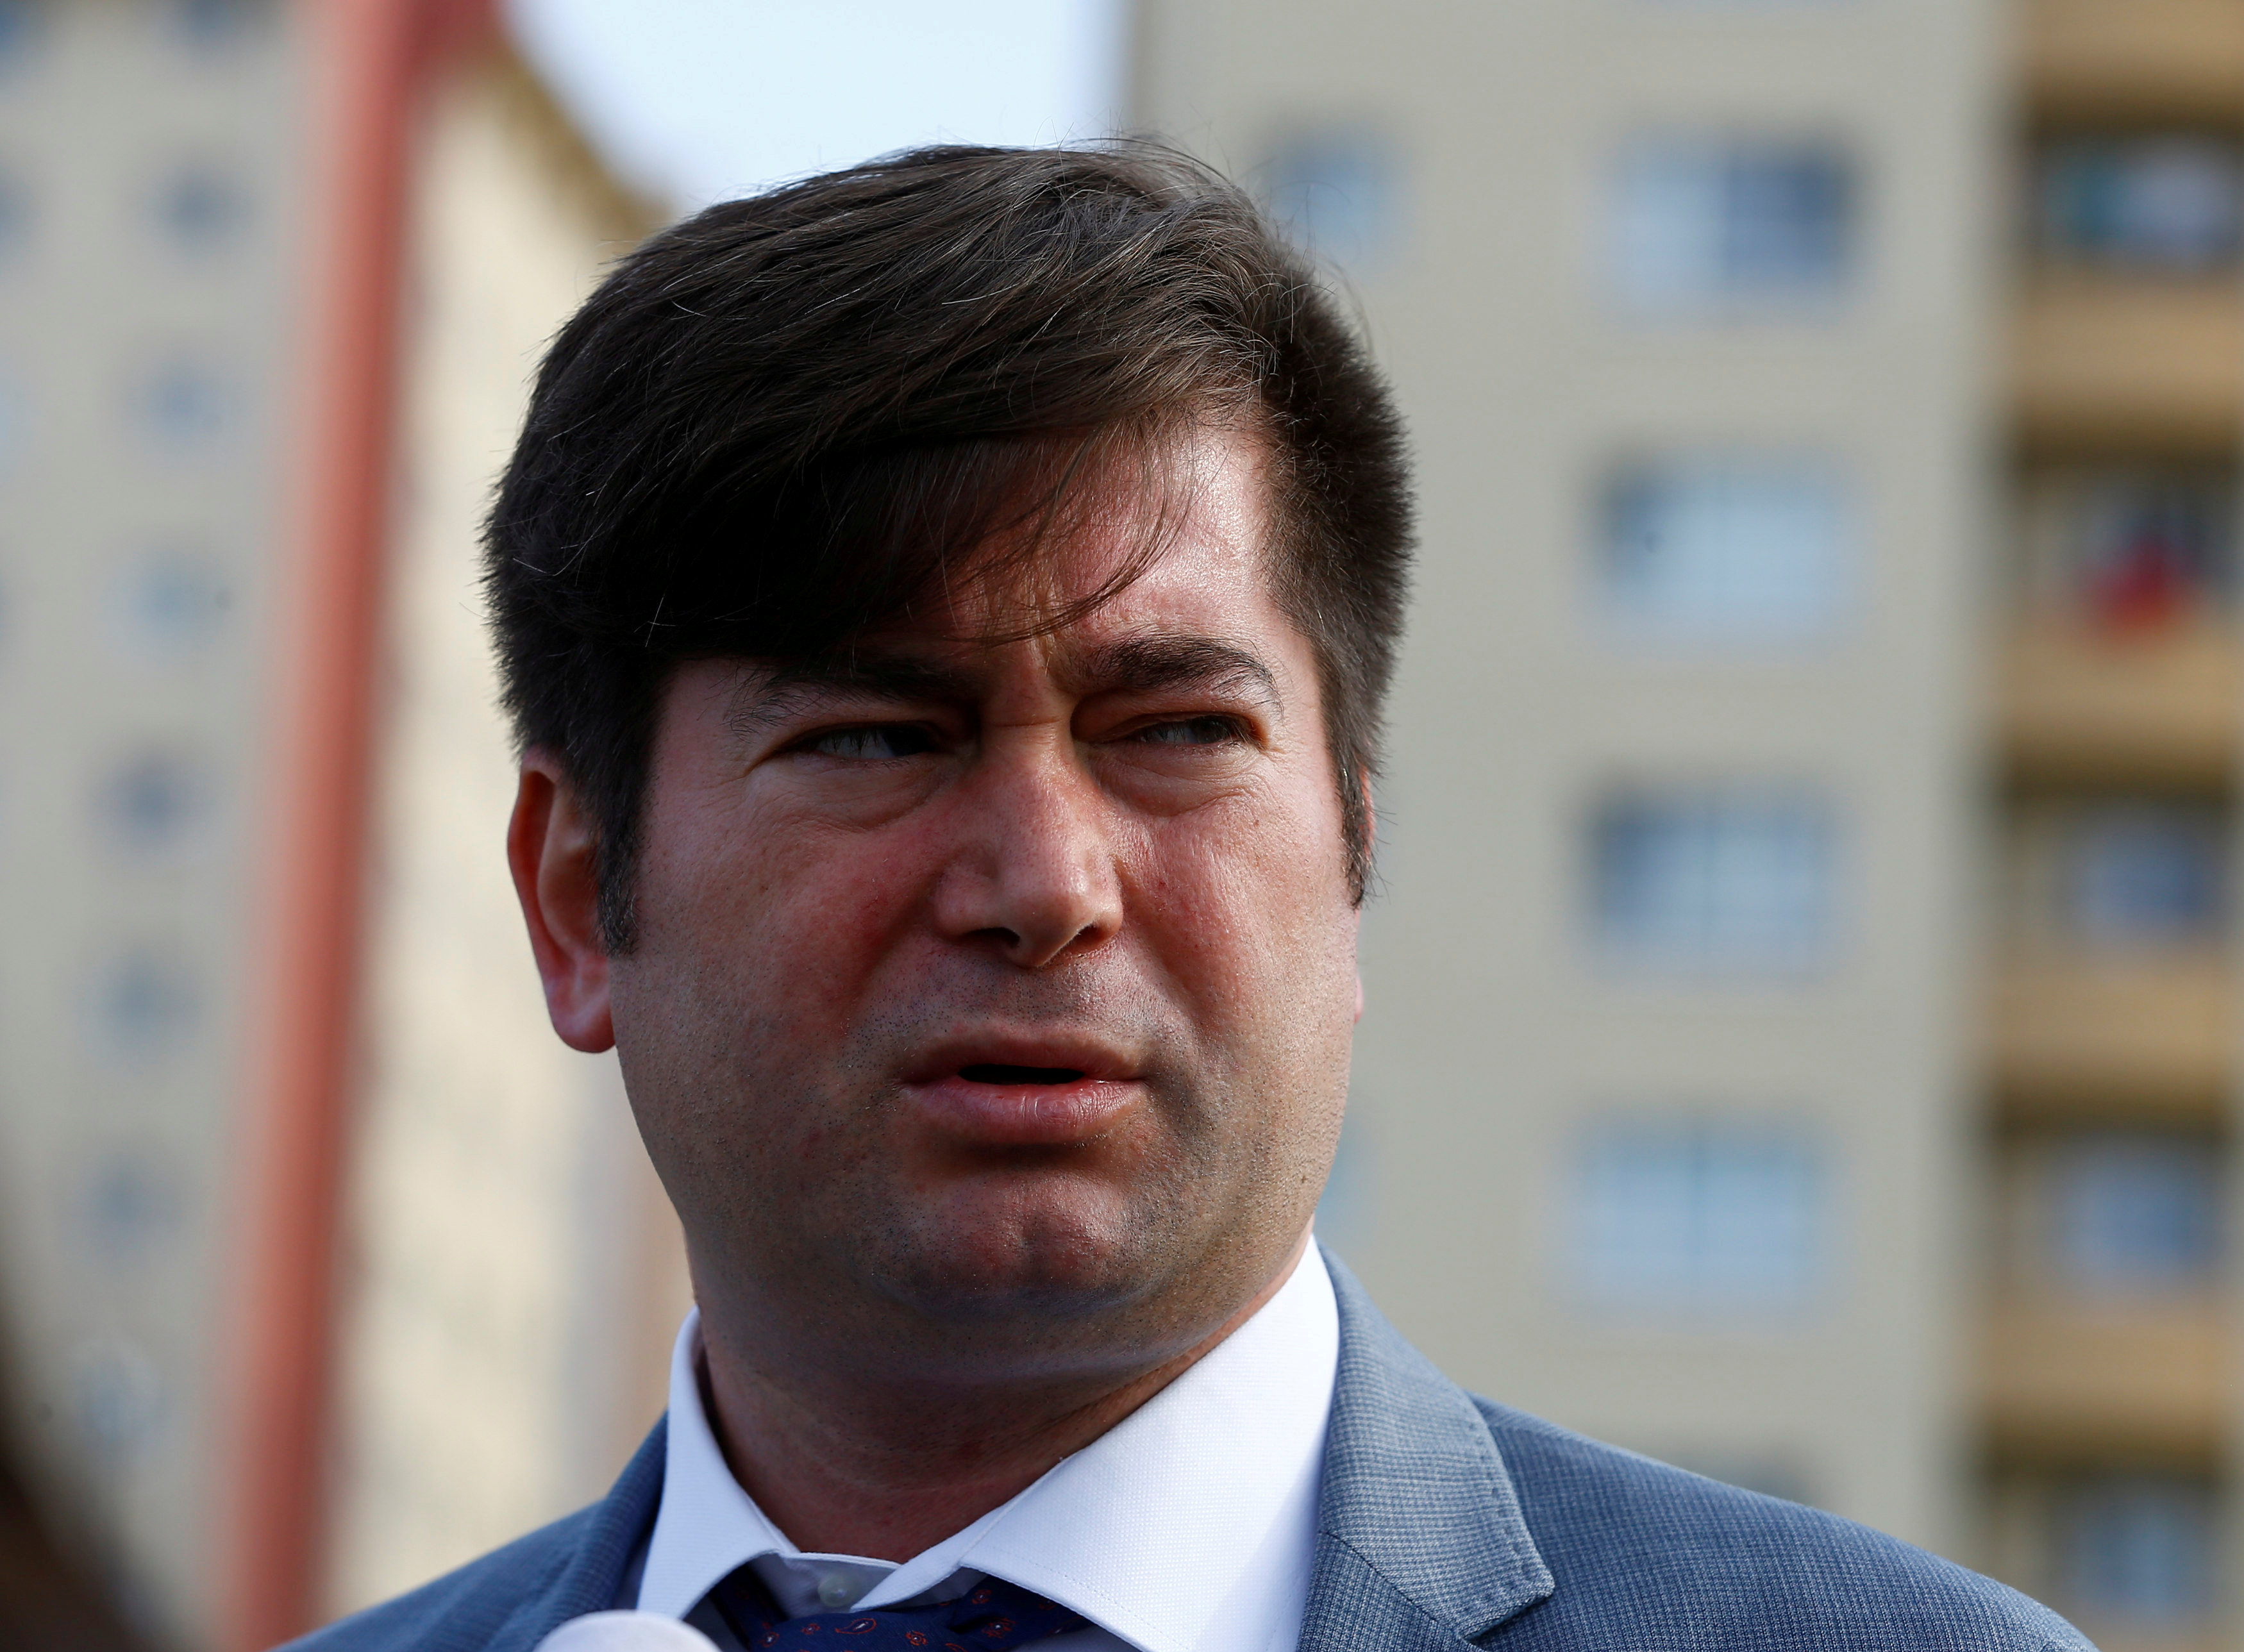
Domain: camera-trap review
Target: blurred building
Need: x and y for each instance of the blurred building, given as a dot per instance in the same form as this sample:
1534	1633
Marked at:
151	214
1803	1016
513	1276
492	1336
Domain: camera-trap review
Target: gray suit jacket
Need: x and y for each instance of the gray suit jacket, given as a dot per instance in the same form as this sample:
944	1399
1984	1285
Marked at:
1447	1522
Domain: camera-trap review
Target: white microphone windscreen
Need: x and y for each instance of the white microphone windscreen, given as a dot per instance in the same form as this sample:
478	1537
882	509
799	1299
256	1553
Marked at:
626	1632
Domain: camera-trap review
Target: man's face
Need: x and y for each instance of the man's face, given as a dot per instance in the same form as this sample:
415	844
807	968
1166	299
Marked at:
999	996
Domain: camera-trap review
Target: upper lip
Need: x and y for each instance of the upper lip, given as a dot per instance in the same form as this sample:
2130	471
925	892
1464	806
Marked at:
1081	1053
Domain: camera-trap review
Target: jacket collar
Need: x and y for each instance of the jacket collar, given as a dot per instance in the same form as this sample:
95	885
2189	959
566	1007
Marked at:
1421	1543
589	1576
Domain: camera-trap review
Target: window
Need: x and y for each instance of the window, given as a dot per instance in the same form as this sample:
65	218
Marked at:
1334	191
199	208
19	29
148	805
144	1005
1714	880
119	1396
1726	548
1694	1215
2144	874
2130	1213
186	406
15	216
169	605
2119	874
131	1206
2163	202
1734	224
2138	1552
213	24
2129	550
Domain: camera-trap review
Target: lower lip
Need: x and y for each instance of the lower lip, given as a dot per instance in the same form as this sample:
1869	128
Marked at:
1025	1114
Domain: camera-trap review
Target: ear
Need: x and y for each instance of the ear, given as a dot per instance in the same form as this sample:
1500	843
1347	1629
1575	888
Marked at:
1370	840
549	849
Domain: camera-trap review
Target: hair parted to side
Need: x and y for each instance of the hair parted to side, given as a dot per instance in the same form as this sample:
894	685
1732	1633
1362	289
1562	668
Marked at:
790	420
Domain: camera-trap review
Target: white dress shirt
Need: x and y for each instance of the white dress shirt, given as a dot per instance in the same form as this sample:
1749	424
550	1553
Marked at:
1189	1526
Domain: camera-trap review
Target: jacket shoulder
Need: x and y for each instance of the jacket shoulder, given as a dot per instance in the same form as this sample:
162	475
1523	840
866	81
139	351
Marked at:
465	1608
508	1600
1651	1556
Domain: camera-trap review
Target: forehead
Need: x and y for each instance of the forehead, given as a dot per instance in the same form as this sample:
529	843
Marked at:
1177	547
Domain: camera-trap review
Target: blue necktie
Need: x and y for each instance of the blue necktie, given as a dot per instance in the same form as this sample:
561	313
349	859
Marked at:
989	1617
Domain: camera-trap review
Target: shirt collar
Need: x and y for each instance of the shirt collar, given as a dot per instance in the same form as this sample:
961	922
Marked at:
1189	1524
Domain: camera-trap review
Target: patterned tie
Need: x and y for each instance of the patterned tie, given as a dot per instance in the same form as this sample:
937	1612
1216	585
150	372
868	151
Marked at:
988	1617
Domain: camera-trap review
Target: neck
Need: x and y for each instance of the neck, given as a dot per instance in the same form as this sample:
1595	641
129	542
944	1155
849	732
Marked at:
889	1472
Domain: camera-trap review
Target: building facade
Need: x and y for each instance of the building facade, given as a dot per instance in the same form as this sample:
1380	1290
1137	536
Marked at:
1802	1022
2106	1396
151	240
512	1275
491	1337
1802	1013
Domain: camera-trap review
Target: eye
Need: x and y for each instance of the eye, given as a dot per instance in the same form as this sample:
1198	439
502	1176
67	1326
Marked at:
878	743
1192	731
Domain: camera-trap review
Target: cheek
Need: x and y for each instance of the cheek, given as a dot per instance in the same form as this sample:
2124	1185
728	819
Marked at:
758	953
785	914
1251	908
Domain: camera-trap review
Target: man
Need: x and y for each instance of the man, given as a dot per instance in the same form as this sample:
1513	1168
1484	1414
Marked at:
946	605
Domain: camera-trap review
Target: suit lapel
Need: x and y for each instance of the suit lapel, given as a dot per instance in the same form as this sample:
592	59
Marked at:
589	1575
1421	1544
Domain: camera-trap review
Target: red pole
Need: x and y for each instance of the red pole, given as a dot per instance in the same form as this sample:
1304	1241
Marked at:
366	59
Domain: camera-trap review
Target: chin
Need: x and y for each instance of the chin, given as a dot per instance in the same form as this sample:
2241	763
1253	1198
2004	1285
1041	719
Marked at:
1026	1260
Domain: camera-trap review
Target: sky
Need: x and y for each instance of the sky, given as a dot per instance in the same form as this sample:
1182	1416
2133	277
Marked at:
693	101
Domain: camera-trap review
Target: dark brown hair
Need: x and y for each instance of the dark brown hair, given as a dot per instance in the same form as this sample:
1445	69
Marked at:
790	419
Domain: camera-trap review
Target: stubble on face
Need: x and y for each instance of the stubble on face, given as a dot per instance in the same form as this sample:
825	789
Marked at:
816	931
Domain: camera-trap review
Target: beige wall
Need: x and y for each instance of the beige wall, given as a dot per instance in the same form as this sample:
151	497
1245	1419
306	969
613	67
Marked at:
514	1276
137	550
1492	1033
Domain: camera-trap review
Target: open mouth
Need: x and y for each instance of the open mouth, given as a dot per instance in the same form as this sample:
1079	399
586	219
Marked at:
993	1073
1023	1102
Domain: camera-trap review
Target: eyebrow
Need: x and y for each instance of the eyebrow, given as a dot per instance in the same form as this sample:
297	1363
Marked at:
1137	665
766	700
1143	665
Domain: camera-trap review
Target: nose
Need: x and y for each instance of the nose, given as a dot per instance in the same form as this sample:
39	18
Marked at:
1035	874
